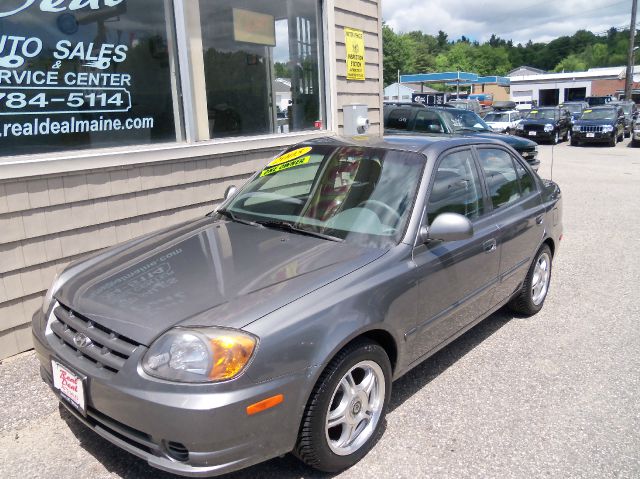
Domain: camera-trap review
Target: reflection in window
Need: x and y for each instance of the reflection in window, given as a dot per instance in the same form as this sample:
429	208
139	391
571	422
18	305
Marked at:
502	180
262	66
456	188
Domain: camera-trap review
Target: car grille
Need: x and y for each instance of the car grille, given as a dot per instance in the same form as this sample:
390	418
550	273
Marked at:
534	127
104	348
590	129
528	153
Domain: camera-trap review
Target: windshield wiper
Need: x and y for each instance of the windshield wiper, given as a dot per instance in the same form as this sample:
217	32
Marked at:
233	217
284	225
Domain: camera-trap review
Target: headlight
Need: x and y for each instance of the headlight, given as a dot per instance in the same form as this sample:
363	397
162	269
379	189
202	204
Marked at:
548	127
53	289
199	355
576	128
607	128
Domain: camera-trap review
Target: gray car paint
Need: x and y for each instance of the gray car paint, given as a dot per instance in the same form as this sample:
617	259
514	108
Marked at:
305	298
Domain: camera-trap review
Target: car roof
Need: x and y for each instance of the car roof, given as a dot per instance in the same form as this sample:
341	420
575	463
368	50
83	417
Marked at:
608	106
420	143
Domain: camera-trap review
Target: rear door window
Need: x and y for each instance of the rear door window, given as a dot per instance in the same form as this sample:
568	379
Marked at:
501	176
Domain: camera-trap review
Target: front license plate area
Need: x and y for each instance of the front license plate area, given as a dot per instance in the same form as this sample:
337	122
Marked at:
70	386
533	133
591	135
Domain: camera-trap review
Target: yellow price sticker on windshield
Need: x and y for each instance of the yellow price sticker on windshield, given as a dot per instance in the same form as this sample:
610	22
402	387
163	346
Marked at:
285	166
587	111
292	155
534	111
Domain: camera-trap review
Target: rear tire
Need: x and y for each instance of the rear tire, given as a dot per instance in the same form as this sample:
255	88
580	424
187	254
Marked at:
534	290
352	394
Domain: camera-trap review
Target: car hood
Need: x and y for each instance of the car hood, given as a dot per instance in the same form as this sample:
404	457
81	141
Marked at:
595	122
516	142
205	273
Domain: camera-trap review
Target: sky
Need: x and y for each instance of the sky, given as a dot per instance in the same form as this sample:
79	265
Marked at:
520	21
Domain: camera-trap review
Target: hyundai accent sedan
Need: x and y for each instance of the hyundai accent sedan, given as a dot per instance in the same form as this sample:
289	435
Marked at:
278	322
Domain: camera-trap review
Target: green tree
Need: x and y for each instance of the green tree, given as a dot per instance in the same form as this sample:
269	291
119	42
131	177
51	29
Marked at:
572	63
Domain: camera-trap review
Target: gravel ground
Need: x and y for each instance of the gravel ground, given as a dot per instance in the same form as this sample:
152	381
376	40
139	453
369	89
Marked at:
555	395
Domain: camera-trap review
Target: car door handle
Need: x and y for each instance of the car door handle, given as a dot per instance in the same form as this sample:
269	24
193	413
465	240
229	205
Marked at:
539	219
489	246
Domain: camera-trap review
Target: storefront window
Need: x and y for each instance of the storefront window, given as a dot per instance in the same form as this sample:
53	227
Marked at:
86	73
262	63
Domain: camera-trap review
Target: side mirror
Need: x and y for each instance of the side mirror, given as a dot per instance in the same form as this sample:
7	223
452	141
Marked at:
447	227
230	191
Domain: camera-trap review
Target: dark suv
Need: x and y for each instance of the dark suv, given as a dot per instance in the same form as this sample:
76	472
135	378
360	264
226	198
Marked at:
451	122
546	124
575	108
630	110
599	124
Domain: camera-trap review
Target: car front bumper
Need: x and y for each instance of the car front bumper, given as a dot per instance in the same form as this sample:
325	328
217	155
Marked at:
596	138
539	135
152	419
635	134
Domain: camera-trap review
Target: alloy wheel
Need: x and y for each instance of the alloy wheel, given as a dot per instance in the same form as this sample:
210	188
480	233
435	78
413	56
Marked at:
355	408
540	283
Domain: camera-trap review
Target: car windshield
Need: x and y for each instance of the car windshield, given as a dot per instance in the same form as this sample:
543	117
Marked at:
540	114
600	114
573	108
465	120
361	195
497	117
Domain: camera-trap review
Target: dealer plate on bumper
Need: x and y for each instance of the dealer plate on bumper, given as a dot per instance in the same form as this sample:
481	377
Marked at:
533	133
70	386
591	135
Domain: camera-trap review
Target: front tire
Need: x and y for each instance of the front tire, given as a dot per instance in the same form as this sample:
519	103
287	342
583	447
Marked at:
343	416
534	290
613	141
556	138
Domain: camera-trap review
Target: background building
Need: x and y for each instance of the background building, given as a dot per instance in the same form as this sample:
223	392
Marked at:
553	88
119	120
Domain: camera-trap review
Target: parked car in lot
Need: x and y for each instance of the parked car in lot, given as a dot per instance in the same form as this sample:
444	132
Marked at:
598	125
635	131
598	100
575	108
400	118
546	124
465	104
503	121
278	322
630	109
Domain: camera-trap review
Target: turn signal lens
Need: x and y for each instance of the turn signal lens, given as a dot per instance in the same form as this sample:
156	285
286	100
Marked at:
265	404
231	353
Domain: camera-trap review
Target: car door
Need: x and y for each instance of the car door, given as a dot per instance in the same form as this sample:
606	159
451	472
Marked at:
456	278
517	211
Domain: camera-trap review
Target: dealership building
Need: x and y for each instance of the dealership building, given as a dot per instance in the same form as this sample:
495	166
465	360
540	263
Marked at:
549	89
120	117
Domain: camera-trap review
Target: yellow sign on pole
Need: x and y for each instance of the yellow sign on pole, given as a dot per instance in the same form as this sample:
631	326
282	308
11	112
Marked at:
354	40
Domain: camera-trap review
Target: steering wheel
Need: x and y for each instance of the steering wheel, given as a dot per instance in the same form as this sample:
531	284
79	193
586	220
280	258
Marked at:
384	206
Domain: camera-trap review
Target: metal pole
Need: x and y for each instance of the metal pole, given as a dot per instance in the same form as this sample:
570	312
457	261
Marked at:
398	85
632	35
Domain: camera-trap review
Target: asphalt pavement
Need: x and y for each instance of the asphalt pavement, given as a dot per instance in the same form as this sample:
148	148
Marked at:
555	395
